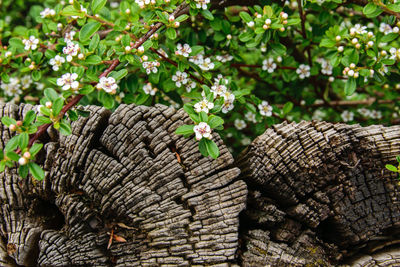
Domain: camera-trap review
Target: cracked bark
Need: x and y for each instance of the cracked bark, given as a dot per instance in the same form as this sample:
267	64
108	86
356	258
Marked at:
318	196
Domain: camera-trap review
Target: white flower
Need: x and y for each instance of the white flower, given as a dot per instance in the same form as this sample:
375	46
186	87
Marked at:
347	116
364	112
227	106
31	43
202	3
39	86
184	50
385	28
69	36
149	90
265	109
326	68
250	24
180	78
224	58
8	54
162	52
318	115
269	65
67	81
56	62
151	66
376	114
303	71
189	86
108	84
206	64
240	124
218	89
203	105
71	50
114	4
250	116
245	141
47	12
358	29
395	53
12	88
197	59
228	96
202	130
26	81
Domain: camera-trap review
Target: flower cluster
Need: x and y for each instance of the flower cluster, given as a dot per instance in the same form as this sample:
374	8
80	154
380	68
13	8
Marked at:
68	81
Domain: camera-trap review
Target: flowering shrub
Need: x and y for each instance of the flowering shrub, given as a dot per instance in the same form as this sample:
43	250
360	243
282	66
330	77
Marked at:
233	69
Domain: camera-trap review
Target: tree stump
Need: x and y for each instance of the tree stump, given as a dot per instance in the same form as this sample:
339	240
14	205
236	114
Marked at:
319	195
124	190
123	177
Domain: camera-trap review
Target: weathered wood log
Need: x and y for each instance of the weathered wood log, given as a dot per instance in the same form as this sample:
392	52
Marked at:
319	195
125	175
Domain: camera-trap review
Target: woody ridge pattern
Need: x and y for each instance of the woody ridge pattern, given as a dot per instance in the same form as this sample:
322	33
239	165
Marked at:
127	174
319	195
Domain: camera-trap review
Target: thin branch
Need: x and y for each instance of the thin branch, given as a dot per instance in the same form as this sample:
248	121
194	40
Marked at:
303	30
175	64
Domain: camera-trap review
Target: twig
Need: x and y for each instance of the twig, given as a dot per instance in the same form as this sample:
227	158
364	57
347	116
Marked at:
303	30
175	64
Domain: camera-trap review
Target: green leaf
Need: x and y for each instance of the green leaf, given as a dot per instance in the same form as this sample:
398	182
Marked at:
12	144
279	49
51	94
398	158
393	7
97	5
391	168
57	106
42	120
170	33
8	121
212	148
36	171
184	129
108	101
83	113
93	60
207	14
118	75
88	30
23	171
87	89
65	128
182	18
35	148
73	116
29	117
2	166
369	8
215	121
23	140
350	86
94	42
16	42
12	155
327	43
389	37
245	16
287	107
203	147
203	116
36	75
71	11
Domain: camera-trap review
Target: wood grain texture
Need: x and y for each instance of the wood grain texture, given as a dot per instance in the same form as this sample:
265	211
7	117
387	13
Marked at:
119	173
319	194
